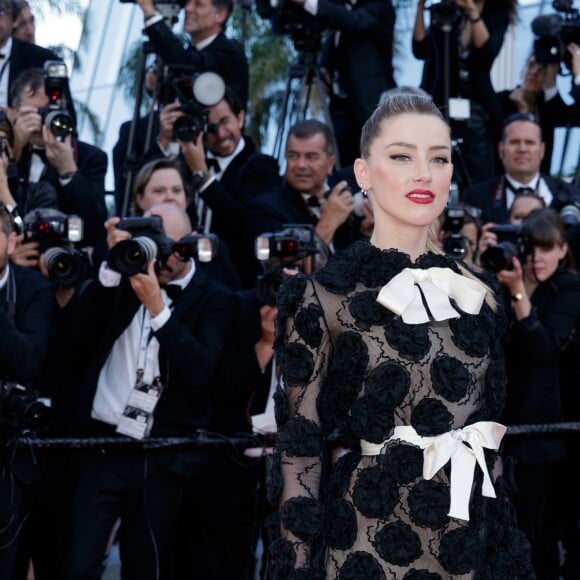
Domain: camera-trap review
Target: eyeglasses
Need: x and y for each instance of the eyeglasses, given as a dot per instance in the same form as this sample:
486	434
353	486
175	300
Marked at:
521	117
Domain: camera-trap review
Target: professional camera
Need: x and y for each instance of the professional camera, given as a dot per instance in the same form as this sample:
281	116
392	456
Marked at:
207	89
445	14
454	243
19	407
555	32
513	240
56	234
290	18
570	214
279	250
169	9
149	242
54	115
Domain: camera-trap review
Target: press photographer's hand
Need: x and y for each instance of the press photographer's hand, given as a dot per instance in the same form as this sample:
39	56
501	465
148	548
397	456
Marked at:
487	239
469	7
147	6
59	153
146	287
28	123
169	114
334	211
114	234
194	154
25	253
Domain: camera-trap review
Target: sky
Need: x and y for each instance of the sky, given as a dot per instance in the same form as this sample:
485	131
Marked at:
55	29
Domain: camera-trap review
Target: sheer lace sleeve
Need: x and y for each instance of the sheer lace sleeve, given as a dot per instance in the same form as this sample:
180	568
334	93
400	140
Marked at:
302	351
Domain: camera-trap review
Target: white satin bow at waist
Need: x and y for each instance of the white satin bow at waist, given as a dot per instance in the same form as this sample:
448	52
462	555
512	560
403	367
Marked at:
402	295
440	449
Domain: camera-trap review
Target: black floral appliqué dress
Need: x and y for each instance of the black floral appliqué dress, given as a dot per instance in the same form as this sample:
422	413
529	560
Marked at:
352	370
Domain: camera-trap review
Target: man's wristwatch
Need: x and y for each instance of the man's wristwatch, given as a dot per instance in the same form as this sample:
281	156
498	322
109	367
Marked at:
200	177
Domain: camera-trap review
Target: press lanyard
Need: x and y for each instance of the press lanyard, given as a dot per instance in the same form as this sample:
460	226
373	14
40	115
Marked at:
148	352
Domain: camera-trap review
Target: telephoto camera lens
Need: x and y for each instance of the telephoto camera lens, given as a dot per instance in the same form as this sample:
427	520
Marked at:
131	257
60	123
499	257
187	128
64	265
268	285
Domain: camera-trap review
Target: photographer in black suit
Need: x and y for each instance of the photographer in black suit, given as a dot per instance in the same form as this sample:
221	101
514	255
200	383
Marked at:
18	55
310	194
76	169
26	323
357	61
210	48
521	151
459	48
238	174
148	344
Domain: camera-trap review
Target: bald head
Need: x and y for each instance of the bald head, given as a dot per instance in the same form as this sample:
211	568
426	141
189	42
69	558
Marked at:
176	222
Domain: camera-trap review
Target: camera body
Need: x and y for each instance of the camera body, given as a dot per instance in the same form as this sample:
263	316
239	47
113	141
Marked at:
445	14
512	240
54	115
554	32
19	407
290	18
56	235
149	242
279	250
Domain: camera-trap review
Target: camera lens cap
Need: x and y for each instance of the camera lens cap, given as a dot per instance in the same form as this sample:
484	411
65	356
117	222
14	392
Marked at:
209	88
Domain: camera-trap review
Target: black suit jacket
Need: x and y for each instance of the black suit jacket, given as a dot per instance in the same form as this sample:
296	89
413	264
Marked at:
24	340
191	344
532	348
223	55
140	145
363	57
489	196
478	87
84	195
248	175
24	337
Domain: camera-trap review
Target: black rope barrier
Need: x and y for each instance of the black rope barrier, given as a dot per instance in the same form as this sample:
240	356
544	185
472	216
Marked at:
204	438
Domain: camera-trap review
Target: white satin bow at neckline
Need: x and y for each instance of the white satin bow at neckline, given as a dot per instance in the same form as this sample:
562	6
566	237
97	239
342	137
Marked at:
463	447
402	295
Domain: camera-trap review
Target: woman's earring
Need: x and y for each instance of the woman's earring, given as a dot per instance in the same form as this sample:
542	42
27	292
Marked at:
364	192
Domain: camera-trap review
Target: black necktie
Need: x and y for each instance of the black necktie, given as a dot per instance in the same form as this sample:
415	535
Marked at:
313	201
173	291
